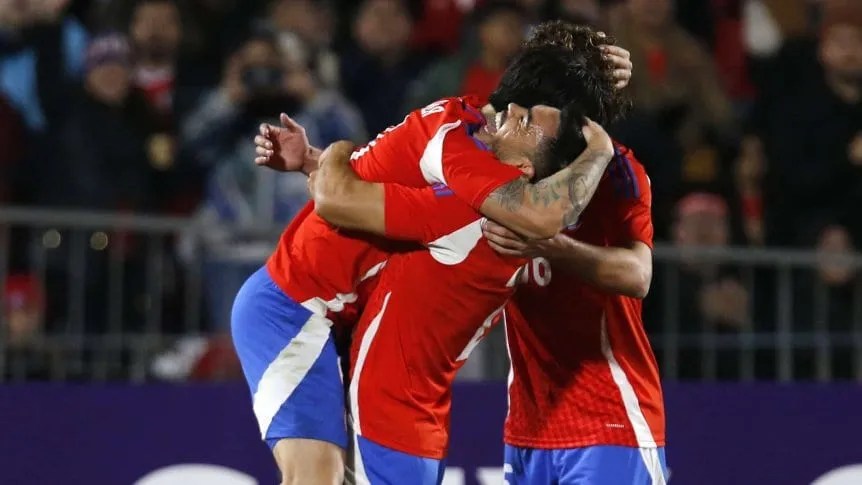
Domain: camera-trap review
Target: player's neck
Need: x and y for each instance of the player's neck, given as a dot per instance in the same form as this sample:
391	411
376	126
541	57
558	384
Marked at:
483	136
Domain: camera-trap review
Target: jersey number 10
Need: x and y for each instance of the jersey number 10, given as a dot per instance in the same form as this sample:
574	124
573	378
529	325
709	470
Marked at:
537	271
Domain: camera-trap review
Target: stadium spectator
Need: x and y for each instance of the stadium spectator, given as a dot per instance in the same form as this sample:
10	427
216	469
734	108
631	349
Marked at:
156	31
172	85
682	124
258	85
29	356
108	136
711	297
499	28
106	155
808	136
304	29
21	26
378	69
824	304
770	27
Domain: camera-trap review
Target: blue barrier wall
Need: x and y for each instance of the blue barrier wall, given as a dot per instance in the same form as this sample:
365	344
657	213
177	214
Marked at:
759	434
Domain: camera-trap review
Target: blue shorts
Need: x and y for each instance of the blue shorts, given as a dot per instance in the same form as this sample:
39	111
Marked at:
378	465
593	465
289	360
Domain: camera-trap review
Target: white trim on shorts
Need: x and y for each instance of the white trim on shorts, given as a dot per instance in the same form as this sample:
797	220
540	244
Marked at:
652	461
284	374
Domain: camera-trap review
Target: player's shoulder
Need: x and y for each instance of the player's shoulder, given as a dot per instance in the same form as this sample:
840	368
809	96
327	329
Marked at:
626	154
627	173
464	109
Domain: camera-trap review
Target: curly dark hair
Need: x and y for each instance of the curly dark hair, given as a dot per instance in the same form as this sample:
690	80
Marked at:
562	65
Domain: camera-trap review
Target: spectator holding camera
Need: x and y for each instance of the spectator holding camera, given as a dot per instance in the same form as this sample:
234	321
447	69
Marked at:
258	84
254	89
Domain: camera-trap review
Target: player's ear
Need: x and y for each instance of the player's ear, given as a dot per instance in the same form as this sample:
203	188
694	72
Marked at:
526	166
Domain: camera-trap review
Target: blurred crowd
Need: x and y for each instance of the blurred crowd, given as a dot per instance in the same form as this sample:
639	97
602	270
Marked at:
746	114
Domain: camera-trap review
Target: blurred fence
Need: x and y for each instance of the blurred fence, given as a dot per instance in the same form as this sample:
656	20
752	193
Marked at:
91	296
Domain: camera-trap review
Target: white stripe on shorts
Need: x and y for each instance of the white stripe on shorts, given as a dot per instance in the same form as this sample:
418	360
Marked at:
653	465
289	368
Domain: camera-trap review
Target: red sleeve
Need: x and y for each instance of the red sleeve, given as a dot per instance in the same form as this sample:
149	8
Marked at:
635	211
424	214
409	212
469	169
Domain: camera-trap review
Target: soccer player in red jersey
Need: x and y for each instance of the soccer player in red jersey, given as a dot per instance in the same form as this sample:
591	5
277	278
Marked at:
432	306
280	325
585	400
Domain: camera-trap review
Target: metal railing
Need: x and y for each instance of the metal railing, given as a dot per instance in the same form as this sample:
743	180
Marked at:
94	296
797	324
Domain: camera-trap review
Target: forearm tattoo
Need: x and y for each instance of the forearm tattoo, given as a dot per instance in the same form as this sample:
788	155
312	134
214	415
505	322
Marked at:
573	187
511	195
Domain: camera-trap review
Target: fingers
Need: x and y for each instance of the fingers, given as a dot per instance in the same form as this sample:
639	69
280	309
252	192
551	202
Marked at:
290	124
263	152
496	229
621	60
621	63
261	141
263	147
616	51
623	77
503	250
590	128
503	240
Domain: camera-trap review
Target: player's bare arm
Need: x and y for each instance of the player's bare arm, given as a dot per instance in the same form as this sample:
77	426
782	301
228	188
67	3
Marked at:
623	270
541	210
341	197
345	200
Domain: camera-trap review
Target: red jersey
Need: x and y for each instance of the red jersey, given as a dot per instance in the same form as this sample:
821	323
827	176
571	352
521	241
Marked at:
428	311
320	266
583	372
